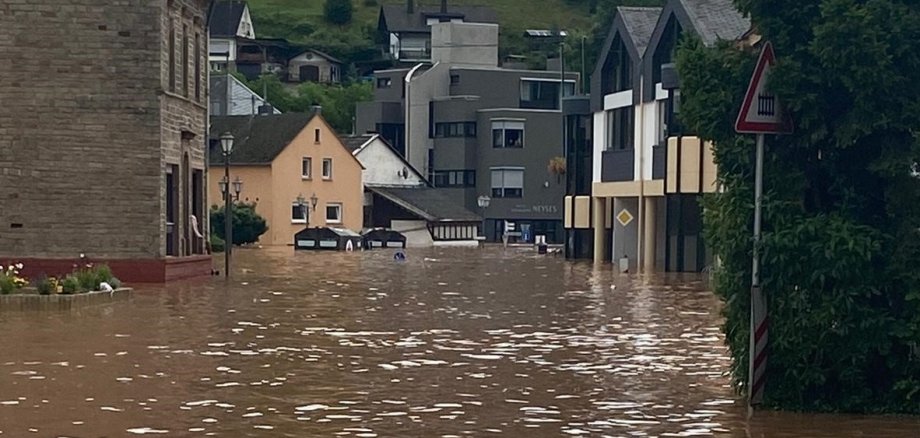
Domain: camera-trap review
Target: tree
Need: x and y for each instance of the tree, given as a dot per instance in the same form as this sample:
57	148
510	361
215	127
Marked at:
248	226
841	205
338	11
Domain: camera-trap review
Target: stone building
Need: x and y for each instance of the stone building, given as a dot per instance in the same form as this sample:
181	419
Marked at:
103	136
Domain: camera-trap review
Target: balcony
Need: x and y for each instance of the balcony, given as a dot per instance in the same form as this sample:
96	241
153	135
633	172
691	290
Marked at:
415	54
618	165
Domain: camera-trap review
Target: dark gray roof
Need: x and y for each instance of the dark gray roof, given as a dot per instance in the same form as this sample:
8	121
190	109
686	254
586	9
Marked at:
398	19
257	139
433	205
716	20
354	142
640	24
225	18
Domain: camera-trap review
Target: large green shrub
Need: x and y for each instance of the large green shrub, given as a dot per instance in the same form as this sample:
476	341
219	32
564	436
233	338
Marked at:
338	11
248	226
841	207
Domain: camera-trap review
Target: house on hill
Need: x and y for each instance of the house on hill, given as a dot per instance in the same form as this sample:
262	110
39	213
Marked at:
287	162
406	30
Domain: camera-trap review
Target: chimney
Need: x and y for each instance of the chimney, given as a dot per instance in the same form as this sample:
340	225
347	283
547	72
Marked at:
316	109
443	6
410	6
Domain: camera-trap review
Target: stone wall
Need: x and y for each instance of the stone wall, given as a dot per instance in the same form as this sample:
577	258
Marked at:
88	125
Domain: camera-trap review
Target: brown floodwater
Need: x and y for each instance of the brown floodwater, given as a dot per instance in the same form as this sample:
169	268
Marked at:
449	343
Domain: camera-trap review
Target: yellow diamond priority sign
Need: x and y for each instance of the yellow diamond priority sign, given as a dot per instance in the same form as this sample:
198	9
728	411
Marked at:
625	217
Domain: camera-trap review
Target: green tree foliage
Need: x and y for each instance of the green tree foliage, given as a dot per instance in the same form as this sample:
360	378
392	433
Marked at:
841	205
338	11
248	226
338	100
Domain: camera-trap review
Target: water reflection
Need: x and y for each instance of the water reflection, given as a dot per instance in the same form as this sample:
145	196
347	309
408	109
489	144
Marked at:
448	343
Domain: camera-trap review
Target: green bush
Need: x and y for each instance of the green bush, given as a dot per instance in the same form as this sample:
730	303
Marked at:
217	244
338	11
103	274
70	285
88	279
46	285
115	283
6	285
248	226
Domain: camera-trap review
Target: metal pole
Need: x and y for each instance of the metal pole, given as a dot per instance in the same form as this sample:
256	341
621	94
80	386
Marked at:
562	88
228	218
484	239
758	336
584	73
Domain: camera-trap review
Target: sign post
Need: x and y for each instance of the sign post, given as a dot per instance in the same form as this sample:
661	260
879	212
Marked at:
760	114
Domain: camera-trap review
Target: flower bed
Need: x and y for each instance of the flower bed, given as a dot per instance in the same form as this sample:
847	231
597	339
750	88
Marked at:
83	279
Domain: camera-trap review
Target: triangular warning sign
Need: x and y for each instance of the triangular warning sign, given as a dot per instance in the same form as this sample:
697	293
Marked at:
761	112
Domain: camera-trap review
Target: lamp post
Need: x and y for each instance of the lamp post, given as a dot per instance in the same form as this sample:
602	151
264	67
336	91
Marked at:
226	146
237	187
313	201
483	202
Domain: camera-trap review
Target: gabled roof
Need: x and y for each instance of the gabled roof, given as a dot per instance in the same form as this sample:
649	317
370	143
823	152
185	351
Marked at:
432	205
635	27
716	20
355	142
225	18
257	139
397	19
328	57
639	24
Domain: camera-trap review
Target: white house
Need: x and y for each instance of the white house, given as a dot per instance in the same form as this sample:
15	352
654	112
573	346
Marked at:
229	20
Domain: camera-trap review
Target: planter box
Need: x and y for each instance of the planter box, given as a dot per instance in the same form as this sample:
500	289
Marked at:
30	302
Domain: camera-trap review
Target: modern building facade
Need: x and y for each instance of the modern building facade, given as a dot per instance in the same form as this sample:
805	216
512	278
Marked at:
478	129
649	172
405	31
283	160
104	158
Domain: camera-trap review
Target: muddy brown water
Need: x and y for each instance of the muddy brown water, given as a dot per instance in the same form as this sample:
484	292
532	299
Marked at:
449	343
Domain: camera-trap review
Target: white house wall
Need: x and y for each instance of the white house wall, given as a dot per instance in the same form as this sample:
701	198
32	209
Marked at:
600	137
382	167
246	30
244	101
420	91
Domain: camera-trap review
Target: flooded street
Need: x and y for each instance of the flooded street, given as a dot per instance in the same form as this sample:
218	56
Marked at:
452	342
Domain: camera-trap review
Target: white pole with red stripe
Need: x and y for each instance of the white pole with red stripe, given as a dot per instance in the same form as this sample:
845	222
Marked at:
757	359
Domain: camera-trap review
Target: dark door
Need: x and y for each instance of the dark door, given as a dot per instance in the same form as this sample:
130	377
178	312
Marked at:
309	73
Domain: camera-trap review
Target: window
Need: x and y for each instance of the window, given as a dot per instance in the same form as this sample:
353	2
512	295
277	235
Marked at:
197	66
298	213
316	136
507	182
620	129
543	94
507	134
172	57
334	213
455	178
384	82
327	168
454	79
455	129
218	67
185	61
307	168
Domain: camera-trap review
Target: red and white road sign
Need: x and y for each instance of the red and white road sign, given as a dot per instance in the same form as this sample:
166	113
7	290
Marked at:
761	112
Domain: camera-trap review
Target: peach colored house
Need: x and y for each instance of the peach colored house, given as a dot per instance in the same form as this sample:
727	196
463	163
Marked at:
282	157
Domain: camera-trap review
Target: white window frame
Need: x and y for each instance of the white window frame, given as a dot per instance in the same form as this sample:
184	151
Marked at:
502	186
306	164
506	125
339	208
327	176
304	213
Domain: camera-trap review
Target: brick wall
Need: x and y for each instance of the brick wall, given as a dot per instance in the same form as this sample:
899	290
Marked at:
86	126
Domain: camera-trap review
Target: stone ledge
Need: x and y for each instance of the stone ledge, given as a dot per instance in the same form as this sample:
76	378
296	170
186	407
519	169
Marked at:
35	302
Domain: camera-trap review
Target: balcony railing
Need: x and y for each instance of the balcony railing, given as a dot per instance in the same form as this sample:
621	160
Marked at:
618	165
415	55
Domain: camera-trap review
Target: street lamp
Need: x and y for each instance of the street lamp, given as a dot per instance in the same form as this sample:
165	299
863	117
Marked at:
226	146
237	187
484	202
313	201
